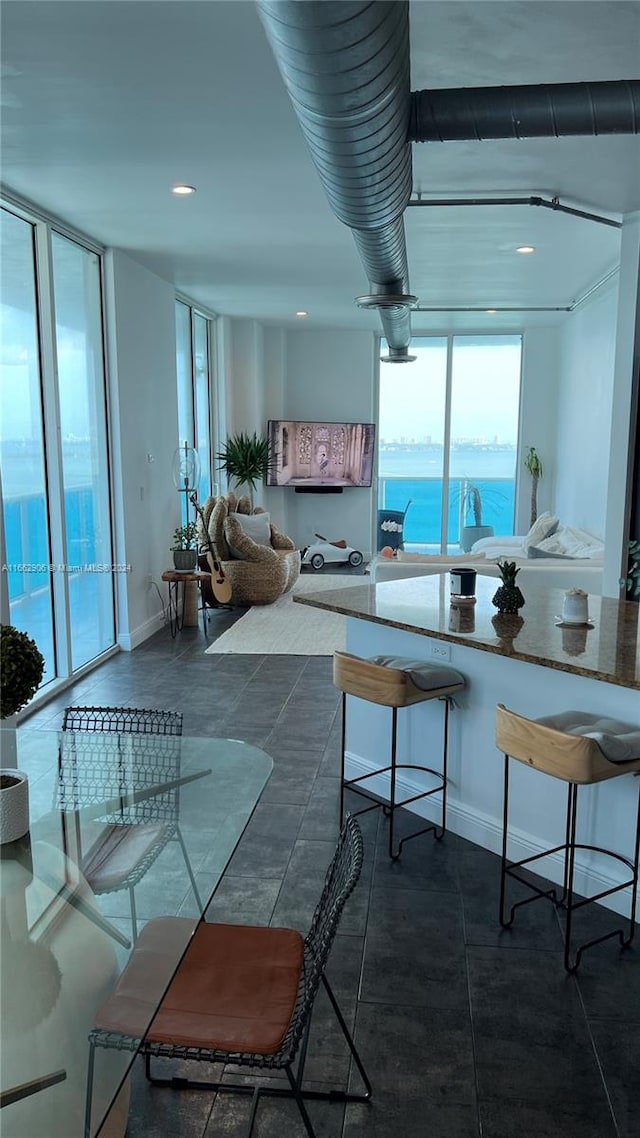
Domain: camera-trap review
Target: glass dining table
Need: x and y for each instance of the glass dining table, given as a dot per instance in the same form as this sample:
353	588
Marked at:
181	807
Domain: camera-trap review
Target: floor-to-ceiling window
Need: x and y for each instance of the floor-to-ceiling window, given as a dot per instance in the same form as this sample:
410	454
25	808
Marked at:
83	443
53	444
193	371
448	428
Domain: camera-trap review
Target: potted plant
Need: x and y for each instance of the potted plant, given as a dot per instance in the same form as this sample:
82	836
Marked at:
534	466
22	670
473	528
185	548
246	458
20	676
631	583
508	597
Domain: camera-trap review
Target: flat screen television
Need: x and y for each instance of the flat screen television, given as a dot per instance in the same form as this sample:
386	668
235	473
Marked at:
321	455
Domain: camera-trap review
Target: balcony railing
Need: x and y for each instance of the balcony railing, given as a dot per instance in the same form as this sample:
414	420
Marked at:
422	527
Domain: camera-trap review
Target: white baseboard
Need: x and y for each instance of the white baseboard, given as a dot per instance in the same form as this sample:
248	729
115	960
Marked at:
130	640
486	831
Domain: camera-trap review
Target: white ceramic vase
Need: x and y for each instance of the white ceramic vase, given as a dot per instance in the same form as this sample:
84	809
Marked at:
14	805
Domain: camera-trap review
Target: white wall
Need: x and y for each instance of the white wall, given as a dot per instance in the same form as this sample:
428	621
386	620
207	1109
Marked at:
585	400
244	377
626	366
327	374
144	431
538	415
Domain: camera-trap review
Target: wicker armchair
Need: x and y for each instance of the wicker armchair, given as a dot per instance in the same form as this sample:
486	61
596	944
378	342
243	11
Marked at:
259	574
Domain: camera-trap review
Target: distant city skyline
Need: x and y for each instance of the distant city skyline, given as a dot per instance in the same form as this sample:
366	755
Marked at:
459	440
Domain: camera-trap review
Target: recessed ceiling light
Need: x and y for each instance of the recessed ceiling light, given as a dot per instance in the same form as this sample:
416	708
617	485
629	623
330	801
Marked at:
183	191
526	249
302	313
492	311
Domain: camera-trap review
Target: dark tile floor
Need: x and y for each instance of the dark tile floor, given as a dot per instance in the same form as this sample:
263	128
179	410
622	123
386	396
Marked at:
468	1031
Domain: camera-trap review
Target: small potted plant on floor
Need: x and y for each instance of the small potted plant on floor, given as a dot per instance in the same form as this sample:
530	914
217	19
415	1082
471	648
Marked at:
185	548
533	464
473	528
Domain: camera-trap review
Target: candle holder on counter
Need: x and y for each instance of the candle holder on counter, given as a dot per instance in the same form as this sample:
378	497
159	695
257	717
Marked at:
462	615
462	584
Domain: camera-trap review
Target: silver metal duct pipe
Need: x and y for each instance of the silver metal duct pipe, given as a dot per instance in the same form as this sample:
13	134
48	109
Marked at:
548	110
346	68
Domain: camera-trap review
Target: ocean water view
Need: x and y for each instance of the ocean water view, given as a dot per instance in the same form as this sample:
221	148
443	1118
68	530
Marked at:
408	472
412	472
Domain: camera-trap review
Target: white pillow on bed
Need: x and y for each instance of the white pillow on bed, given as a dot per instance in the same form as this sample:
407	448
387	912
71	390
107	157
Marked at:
543	527
571	542
490	542
539	551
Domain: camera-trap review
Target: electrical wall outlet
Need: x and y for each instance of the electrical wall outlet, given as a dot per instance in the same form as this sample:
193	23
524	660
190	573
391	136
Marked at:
441	650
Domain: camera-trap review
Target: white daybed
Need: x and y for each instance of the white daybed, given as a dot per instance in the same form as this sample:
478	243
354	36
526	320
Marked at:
563	557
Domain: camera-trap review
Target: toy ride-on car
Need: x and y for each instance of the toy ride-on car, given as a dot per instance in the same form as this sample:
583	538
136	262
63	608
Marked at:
323	551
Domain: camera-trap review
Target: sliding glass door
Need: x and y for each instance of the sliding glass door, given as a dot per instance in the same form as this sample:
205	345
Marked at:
83	448
22	453
193	370
448	439
53	445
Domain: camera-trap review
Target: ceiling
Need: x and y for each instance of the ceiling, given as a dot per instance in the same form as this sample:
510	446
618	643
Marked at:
106	105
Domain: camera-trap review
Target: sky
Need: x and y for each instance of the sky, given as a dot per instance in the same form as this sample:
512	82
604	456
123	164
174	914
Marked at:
485	390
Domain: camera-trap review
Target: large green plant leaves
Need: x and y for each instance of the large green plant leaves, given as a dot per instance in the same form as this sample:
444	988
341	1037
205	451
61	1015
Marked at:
246	458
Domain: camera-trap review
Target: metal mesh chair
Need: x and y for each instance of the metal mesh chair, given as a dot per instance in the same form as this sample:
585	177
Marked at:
241	995
127	759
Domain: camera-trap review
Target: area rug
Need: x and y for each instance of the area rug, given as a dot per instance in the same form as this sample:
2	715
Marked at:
288	629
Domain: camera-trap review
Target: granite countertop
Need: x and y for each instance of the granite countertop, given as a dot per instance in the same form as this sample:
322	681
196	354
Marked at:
610	651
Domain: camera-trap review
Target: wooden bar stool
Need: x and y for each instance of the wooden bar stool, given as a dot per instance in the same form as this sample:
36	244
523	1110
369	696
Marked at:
395	681
580	749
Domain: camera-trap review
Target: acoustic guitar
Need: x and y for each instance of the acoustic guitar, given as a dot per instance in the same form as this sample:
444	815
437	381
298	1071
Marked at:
220	584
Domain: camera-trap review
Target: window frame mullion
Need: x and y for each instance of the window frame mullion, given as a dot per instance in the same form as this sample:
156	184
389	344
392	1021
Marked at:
52	442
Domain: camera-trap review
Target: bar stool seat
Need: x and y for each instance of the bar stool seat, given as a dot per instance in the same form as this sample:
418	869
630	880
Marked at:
579	748
395	682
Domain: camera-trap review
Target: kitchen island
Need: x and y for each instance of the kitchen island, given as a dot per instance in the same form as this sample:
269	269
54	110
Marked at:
531	664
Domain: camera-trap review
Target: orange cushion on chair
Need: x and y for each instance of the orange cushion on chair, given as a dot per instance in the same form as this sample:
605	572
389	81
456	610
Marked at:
235	989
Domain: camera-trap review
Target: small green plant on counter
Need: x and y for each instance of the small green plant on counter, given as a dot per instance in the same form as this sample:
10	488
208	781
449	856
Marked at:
508	598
